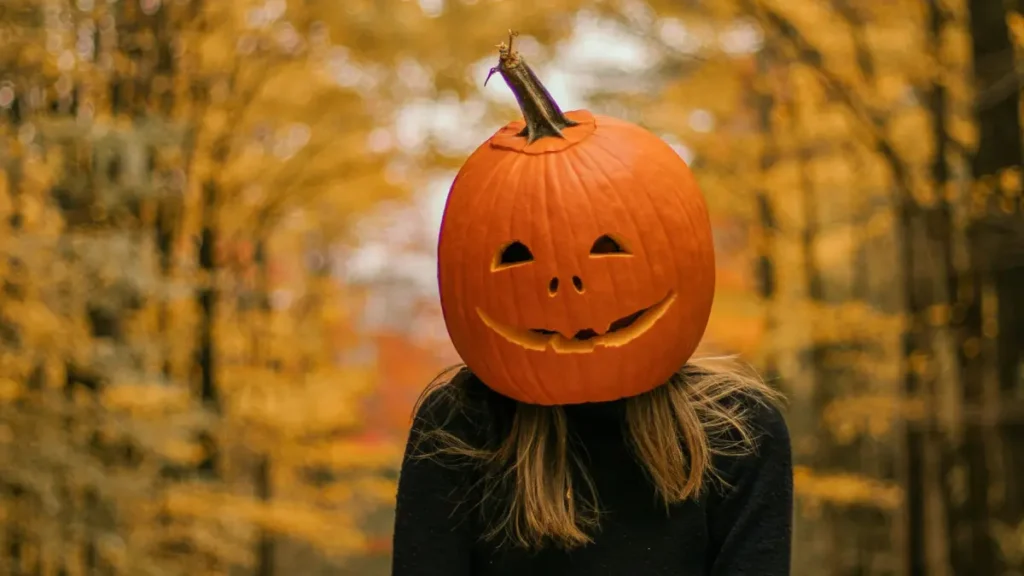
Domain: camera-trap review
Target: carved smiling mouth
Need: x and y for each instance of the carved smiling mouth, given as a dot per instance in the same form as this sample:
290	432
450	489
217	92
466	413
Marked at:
589	333
617	333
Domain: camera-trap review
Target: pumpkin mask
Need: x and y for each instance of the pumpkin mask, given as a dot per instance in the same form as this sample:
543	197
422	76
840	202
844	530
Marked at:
575	258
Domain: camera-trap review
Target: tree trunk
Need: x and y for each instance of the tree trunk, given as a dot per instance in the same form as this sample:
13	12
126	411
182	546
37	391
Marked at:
207	296
265	544
994	443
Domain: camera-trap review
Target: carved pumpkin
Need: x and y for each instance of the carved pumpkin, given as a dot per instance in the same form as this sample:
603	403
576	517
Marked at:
575	258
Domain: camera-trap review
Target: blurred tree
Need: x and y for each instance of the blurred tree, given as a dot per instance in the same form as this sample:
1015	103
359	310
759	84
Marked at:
175	177
130	129
784	105
204	143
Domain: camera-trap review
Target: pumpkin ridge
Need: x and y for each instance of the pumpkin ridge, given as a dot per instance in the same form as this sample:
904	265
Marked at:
513	176
650	201
684	205
473	204
555	206
539	298
595	167
570	169
518	197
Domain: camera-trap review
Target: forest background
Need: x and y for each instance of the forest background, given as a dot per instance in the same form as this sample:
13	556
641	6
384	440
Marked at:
217	222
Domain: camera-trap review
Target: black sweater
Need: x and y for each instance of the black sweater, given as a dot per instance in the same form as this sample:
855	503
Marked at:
743	530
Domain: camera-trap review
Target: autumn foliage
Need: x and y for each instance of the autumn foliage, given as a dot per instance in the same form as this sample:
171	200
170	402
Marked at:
200	374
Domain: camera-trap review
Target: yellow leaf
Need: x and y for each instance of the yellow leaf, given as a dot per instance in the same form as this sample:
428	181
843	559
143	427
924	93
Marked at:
10	390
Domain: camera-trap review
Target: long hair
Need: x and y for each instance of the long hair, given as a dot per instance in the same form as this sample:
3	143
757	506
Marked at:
528	486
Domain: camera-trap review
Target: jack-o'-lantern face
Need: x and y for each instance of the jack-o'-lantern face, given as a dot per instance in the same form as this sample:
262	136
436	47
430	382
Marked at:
577	267
618	332
583	274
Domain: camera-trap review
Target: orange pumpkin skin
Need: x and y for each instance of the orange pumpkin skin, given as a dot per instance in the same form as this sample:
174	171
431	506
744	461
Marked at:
556	196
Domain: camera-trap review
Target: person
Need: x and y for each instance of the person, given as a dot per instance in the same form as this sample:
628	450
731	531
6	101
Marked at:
569	450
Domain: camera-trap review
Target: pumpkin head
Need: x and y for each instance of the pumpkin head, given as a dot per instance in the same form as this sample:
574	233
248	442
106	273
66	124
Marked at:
575	258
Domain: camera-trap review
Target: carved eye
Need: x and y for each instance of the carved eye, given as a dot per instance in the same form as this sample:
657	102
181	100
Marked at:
606	245
512	254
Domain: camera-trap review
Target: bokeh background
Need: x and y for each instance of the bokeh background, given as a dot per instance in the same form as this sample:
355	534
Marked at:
217	232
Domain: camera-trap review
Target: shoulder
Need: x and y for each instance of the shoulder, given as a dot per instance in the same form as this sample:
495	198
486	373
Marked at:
460	405
758	441
764	417
735	405
742	417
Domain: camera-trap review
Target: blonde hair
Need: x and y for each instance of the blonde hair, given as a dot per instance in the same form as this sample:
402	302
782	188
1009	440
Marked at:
675	430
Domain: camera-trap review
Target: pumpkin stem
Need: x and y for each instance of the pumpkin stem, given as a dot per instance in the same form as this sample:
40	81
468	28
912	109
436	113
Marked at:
543	116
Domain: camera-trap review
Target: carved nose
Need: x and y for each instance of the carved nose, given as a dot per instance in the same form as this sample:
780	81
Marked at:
578	284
